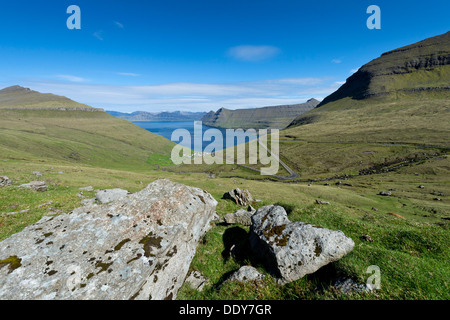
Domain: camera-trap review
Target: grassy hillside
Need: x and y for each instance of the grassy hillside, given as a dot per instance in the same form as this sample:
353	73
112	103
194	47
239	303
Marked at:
394	108
257	118
73	136
356	144
24	98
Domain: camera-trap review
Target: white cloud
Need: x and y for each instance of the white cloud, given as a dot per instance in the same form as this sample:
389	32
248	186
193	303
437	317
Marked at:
117	23
187	96
129	74
336	61
70	78
353	71
253	53
98	35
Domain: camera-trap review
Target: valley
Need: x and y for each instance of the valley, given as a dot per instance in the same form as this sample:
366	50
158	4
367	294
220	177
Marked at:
371	160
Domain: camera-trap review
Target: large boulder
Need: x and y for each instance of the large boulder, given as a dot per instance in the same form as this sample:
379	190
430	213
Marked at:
240	197
138	247
292	250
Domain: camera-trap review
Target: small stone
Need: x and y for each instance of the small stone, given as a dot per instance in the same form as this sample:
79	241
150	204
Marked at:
366	237
322	202
37	173
385	193
88	189
5	181
35	185
246	274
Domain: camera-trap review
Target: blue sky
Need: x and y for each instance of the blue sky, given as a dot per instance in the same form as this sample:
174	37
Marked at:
202	55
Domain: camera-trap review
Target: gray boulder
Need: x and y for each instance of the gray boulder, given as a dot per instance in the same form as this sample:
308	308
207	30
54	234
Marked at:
110	195
35	185
241	197
292	250
241	216
138	247
5	181
246	274
385	193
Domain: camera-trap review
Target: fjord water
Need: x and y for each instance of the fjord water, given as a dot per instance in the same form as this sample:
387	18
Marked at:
166	128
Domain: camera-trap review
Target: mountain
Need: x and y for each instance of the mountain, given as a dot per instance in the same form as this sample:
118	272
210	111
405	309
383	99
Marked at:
258	118
44	127
159	116
24	98
394	110
419	70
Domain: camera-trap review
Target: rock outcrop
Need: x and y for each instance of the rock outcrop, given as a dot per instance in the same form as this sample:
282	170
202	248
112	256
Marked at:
137	247
5	181
292	250
40	186
241	197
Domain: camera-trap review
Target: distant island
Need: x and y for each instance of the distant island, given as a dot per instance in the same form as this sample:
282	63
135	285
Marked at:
276	117
158	116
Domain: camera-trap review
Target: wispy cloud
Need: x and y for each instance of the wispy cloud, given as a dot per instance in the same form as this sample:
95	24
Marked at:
253	53
70	78
120	25
337	61
98	35
129	74
188	96
353	71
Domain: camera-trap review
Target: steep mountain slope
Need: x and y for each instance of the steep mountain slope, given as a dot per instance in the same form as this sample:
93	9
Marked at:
414	72
395	108
258	118
63	130
158	116
413	68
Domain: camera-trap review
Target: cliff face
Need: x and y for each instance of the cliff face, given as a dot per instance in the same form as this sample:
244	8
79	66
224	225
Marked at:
417	67
258	118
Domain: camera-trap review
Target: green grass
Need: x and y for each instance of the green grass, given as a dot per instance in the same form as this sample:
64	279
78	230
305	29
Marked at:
346	136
